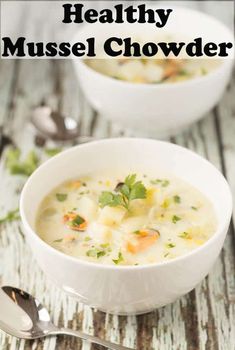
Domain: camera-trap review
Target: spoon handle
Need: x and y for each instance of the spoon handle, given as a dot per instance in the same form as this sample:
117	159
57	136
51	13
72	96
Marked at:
90	338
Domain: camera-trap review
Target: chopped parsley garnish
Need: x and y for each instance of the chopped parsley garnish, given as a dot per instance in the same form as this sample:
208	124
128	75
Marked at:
95	253
177	199
165	183
19	167
52	151
77	221
10	216
183	72
61	197
98	252
175	219
92	253
166	203
203	71
194	208
84	192
116	77
162	182
170	245
87	238
127	191
58	240
146	232
184	235
104	245
119	259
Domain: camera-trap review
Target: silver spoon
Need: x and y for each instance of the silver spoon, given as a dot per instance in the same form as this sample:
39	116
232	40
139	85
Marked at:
23	316
53	125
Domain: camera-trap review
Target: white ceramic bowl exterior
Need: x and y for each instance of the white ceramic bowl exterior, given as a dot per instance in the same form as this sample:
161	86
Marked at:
133	289
161	109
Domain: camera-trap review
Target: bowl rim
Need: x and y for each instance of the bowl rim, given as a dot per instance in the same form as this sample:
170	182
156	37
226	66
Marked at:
219	231
229	61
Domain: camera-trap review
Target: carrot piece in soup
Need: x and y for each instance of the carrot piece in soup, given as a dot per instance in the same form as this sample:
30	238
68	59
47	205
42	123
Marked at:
74	184
172	67
70	216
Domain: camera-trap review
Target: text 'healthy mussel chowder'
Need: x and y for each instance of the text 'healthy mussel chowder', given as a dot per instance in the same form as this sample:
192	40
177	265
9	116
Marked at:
125	220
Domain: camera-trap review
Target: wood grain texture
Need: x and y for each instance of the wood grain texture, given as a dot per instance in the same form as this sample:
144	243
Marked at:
203	319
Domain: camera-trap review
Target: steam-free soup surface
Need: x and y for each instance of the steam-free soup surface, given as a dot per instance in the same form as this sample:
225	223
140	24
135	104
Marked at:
153	71
126	220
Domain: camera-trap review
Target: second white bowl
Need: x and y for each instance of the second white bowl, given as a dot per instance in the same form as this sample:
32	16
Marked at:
160	109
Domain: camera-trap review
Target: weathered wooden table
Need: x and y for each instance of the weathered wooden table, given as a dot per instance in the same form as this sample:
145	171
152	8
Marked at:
203	319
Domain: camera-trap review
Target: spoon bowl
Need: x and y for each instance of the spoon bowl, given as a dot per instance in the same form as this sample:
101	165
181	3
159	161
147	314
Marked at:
23	316
32	320
51	124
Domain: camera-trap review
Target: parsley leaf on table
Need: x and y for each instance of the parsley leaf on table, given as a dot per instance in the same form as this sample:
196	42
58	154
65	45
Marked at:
19	167
51	152
12	215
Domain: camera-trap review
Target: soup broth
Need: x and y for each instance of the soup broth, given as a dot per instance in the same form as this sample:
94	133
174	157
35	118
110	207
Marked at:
125	220
153	71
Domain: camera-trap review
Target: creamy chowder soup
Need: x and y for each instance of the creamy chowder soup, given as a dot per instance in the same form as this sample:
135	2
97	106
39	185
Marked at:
126	220
153	71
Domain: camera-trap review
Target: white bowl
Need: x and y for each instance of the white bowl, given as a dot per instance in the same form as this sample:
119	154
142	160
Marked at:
126	289
160	109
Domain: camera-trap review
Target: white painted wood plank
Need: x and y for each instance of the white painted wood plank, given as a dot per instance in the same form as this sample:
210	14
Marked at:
208	146
6	84
168	325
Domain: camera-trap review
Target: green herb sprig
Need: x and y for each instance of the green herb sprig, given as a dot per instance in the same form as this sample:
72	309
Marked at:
12	215
177	199
19	167
126	192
